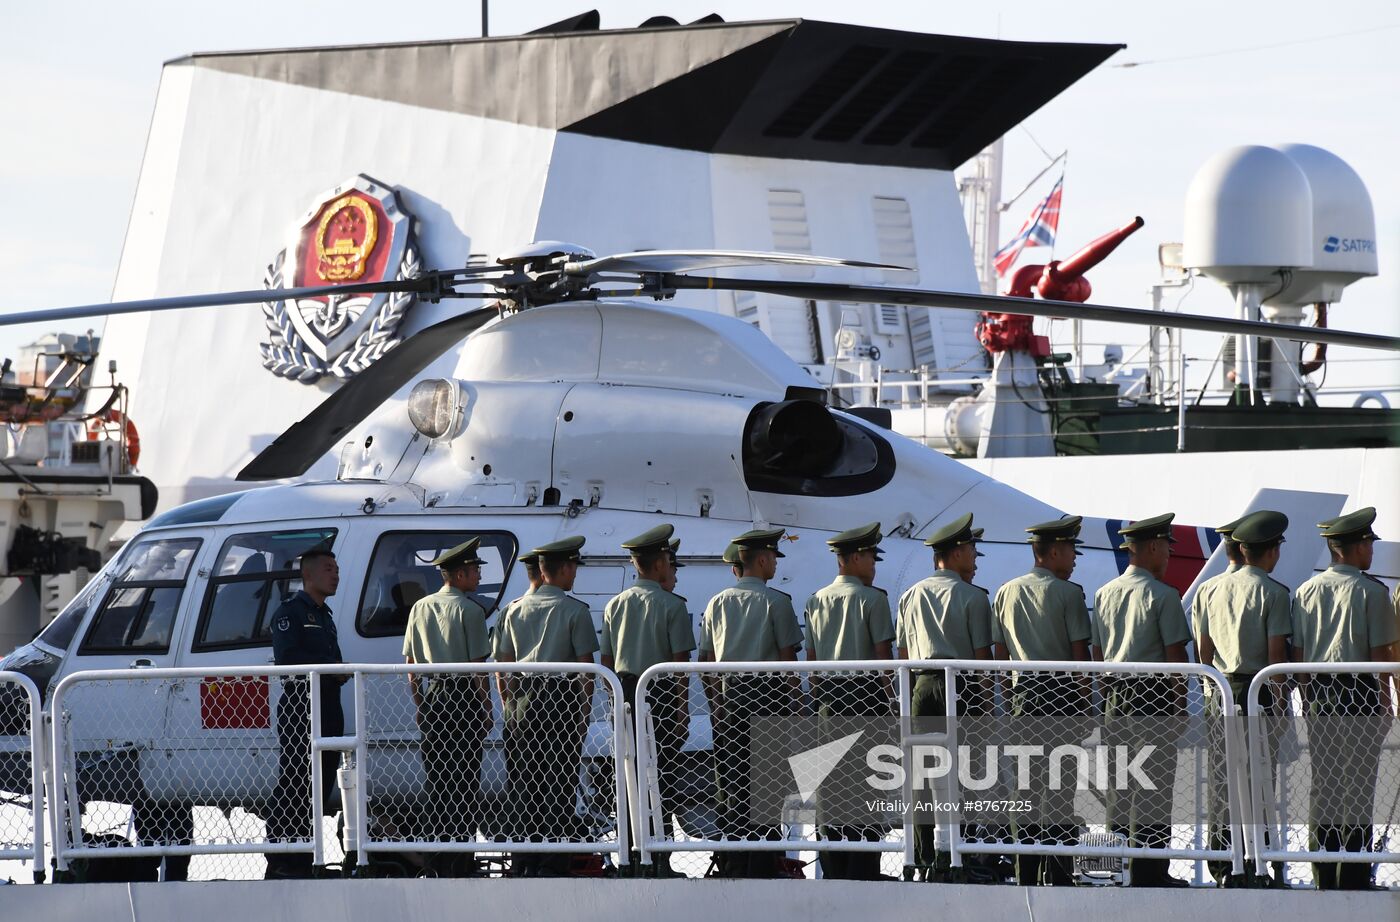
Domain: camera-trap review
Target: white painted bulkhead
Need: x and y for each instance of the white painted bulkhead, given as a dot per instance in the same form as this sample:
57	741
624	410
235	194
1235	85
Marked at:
233	161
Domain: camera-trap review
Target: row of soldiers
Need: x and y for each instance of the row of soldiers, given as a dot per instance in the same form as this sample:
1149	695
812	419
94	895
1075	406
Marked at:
1041	615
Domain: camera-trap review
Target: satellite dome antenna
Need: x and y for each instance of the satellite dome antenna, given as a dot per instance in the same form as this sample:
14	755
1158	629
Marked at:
1343	251
1249	226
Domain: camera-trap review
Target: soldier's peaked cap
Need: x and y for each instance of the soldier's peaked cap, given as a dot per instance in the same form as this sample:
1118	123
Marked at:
1159	526
563	549
460	556
861	538
731	554
653	539
1228	529
1262	527
761	539
674	546
957	532
1354	526
1065	529
977	537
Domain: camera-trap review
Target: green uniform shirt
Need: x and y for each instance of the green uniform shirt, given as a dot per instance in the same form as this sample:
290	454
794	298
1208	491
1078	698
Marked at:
446	627
546	626
1339	615
1136	617
748	622
846	620
942	617
1039	616
1243	611
1203	592
645	625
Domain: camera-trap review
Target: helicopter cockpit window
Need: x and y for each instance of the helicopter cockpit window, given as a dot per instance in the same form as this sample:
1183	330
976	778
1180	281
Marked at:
138	613
402	572
253	574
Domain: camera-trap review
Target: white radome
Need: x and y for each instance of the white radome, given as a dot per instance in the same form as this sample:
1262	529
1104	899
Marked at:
1249	213
1344	229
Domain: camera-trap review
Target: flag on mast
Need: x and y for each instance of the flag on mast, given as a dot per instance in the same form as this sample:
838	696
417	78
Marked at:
1038	231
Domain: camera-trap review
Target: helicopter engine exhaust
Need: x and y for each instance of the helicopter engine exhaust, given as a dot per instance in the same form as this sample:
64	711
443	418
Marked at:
794	437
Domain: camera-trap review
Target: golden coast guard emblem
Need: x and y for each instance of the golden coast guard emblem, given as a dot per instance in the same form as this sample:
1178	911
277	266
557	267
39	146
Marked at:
356	232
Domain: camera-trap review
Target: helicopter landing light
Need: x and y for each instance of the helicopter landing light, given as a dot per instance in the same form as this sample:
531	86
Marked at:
434	407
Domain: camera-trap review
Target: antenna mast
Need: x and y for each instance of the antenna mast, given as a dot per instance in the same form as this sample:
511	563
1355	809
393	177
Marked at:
981	192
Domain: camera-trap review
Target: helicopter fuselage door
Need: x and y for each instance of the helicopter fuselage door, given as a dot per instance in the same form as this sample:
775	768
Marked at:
220	741
114	727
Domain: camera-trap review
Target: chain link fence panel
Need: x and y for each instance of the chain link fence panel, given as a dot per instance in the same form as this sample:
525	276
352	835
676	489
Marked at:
21	777
867	770
1325	773
466	764
177	774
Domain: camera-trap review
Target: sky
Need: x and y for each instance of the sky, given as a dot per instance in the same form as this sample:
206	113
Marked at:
81	77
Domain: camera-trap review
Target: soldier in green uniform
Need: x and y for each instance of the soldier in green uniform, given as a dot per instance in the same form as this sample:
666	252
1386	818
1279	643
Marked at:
644	625
1342	615
1042	616
454	713
748	622
668	582
546	714
1242	625
531	563
1139	619
850	620
944	617
1234	560
731	557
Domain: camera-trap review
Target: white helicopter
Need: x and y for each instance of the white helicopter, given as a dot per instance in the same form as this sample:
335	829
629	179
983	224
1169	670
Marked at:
571	412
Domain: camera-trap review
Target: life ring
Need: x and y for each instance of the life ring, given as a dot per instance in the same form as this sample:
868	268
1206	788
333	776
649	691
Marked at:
97	427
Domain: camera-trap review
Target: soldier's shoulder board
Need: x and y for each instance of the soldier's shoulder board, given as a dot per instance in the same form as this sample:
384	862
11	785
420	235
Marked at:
780	592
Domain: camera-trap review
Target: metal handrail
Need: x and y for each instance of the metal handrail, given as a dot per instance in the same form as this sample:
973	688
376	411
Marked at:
902	670
64	796
35	851
1260	771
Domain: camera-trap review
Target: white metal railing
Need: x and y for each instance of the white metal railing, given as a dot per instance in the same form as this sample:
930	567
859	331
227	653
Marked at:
1187	843
22	772
387	722
1291	773
128	736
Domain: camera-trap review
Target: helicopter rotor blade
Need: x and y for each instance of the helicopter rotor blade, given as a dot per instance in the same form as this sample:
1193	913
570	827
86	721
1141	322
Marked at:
430	285
693	260
294	451
1000	304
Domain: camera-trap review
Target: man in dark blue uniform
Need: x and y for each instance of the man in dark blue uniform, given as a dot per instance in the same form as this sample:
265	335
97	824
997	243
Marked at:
303	633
